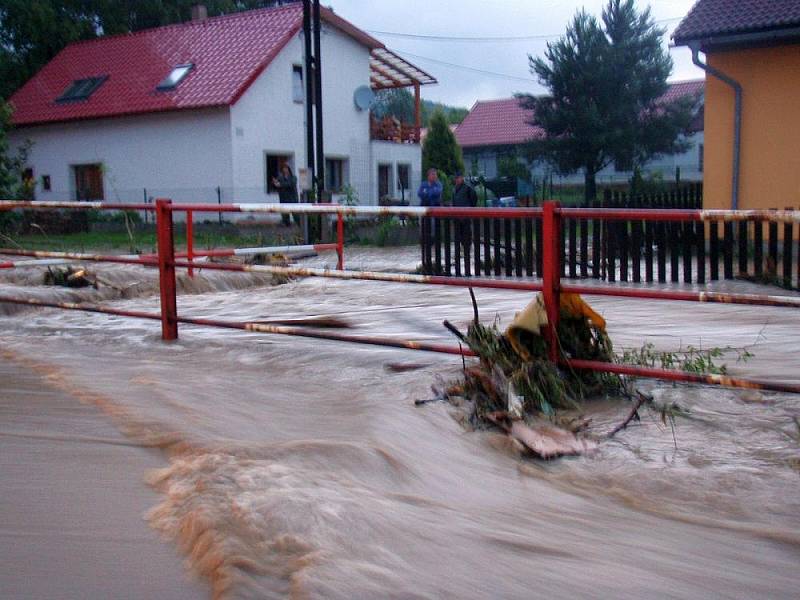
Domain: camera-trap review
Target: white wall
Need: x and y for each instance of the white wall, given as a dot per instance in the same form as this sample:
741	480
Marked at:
183	155
266	120
391	153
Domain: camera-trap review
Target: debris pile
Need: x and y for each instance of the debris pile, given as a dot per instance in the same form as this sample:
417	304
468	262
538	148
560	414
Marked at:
71	277
516	388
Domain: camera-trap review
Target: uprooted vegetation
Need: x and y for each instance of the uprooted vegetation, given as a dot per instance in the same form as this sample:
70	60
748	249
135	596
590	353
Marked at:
516	388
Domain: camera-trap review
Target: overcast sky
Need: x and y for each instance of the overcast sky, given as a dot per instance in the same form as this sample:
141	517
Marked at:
501	66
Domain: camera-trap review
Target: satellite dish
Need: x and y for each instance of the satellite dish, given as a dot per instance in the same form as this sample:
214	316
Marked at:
363	97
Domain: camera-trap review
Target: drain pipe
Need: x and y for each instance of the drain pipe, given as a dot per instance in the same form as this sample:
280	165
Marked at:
737	118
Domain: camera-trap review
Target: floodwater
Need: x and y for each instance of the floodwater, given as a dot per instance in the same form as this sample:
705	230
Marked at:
301	468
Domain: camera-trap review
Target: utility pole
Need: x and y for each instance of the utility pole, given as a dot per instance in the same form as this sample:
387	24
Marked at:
308	73
318	102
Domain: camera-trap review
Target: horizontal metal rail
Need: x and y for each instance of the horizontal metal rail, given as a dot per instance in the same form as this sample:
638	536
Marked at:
528	286
251	327
221	252
127	259
651	294
608	214
683	376
23	264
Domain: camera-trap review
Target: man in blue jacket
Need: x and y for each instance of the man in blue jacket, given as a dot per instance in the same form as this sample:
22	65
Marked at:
430	191
430	194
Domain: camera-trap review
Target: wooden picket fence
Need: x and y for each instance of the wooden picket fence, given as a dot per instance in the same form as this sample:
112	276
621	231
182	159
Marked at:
628	251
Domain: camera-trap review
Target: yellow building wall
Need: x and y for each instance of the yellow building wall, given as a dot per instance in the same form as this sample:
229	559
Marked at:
769	175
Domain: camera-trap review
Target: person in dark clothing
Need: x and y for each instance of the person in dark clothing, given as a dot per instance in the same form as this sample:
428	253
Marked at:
463	196
463	193
286	183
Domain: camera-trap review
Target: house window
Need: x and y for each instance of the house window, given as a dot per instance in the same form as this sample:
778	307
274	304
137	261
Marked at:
46	185
336	174
81	89
700	159
171	81
274	164
403	176
88	182
384	179
297	84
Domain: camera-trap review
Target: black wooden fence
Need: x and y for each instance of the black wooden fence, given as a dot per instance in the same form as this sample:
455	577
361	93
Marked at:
629	251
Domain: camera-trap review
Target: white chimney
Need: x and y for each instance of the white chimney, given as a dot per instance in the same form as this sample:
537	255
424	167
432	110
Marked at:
199	12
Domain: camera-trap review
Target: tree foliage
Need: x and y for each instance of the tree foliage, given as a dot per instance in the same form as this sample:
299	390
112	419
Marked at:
605	82
440	149
12	163
33	31
399	103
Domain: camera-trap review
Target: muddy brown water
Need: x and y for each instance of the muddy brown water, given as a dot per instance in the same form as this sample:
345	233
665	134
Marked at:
301	468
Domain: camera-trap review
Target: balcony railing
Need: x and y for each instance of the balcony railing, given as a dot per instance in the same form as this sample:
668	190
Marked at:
391	129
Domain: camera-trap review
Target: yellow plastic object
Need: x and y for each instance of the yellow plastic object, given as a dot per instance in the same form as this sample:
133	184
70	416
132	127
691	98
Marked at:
534	316
531	319
575	306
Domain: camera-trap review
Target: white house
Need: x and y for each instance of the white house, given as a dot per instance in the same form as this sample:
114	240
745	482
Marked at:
497	128
207	111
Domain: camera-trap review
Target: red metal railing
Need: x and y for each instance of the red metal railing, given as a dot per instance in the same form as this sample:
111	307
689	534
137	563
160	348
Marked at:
551	286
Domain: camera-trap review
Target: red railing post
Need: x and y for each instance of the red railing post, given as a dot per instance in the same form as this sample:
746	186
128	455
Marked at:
551	273
340	240
190	240
166	270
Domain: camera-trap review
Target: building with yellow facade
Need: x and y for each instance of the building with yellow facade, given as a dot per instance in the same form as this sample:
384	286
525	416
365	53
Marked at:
750	50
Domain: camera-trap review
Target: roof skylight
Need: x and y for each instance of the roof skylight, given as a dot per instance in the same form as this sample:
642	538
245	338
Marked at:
81	89
171	81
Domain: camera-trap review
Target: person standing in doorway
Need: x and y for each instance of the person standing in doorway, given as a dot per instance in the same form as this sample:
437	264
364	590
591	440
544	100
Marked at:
286	183
464	196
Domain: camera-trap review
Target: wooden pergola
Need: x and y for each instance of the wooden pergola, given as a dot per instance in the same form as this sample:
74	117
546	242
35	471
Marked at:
388	70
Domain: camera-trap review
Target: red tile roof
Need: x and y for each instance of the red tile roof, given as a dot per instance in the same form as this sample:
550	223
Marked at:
504	122
227	52
709	18
495	123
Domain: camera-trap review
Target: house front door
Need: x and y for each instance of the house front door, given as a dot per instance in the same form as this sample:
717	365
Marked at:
89	182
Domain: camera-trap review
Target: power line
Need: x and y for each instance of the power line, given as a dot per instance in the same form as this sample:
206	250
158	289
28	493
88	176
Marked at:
465	67
501	38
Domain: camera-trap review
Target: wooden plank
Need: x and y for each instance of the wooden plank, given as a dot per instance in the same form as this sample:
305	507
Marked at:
437	245
727	250
518	249
539	247
572	258
597	228
425	244
487	246
787	254
529	247
687	247
584	250
742	253
457	246
648	246
636	244
772	261
758	248
713	230
476	245
498	265
447	225
700	242
508	247
673	240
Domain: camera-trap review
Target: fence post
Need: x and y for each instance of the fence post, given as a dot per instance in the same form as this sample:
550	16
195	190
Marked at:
190	240
340	240
551	273
166	270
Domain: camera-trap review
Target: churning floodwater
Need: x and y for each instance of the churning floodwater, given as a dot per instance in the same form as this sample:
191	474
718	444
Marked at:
301	468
